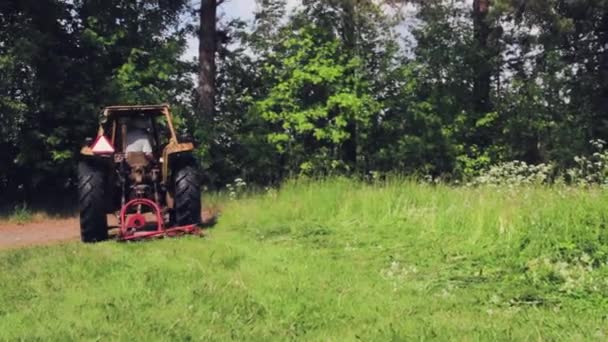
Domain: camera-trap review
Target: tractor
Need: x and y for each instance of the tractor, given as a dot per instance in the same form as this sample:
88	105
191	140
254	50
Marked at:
138	169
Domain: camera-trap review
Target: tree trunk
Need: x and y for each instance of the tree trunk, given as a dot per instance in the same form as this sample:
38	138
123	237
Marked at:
483	66
602	105
206	58
349	147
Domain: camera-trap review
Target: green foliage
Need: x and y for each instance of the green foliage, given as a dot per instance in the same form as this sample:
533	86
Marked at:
233	144
153	77
334	87
334	260
315	94
61	61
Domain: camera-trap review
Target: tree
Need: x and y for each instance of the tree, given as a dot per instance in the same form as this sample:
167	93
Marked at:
482	65
349	36
62	61
347	18
207	54
331	74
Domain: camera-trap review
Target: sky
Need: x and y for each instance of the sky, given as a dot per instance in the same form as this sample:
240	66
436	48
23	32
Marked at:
243	9
231	9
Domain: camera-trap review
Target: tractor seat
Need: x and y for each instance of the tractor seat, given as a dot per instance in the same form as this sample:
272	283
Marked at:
137	160
138	163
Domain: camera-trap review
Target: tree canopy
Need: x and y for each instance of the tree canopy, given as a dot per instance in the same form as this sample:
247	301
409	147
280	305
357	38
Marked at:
439	88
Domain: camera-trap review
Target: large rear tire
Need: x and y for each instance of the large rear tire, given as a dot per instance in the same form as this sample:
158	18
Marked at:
92	203
187	196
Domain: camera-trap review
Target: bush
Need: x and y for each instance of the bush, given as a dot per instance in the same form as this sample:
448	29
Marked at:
590	169
515	173
587	171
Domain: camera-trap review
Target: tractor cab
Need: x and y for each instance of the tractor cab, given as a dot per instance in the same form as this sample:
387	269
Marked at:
154	122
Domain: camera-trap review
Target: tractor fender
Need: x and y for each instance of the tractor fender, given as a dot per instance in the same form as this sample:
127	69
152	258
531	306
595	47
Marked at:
175	155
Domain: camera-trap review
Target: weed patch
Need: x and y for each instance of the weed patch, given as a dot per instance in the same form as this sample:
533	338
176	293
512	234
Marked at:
20	215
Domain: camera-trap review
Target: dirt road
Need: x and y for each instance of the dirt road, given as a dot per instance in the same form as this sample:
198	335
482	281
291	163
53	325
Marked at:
52	231
38	233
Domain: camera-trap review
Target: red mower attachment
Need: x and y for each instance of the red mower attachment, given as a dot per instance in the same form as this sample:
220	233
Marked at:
134	226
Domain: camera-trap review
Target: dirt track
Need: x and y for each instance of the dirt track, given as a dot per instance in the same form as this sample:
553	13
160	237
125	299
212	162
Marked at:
52	231
38	233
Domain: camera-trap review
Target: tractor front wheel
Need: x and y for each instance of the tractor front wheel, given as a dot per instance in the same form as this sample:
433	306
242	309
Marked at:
187	196
92	203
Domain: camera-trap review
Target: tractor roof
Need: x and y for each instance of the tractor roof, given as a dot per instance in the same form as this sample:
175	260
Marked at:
136	109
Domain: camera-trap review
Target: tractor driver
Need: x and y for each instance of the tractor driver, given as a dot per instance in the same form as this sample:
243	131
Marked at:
138	139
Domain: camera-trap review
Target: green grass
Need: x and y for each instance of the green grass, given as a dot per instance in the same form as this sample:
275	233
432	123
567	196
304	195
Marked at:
334	261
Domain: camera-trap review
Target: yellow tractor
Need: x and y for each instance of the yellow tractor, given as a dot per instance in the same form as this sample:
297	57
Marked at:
137	168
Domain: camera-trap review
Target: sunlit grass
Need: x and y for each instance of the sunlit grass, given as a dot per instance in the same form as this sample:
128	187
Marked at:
334	260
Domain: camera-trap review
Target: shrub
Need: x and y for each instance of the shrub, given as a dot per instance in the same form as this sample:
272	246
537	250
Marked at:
515	173
590	169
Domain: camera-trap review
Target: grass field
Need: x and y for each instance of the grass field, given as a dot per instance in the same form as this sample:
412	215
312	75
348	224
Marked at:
334	261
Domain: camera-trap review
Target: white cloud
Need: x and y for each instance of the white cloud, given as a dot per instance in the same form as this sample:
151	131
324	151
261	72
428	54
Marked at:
233	9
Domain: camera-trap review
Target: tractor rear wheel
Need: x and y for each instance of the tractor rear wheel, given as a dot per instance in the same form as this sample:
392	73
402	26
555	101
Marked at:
92	203
187	205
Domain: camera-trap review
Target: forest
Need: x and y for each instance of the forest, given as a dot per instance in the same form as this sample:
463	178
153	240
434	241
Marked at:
441	89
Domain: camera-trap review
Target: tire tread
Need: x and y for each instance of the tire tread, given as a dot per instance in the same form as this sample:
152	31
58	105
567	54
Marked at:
91	198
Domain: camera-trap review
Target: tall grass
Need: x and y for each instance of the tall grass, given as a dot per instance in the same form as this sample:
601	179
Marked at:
335	260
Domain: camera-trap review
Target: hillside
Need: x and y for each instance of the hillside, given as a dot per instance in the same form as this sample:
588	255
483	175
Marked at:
334	260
